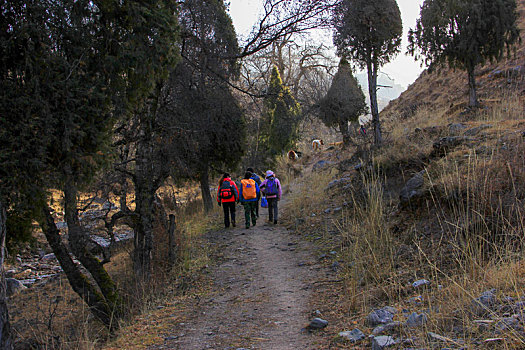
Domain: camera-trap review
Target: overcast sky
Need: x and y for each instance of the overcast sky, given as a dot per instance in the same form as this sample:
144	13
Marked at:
404	70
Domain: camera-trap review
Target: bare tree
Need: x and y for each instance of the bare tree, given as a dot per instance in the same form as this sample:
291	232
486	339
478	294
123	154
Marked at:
282	18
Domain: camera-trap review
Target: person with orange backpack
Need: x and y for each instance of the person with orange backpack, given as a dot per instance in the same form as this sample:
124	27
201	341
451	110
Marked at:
228	195
257	179
249	196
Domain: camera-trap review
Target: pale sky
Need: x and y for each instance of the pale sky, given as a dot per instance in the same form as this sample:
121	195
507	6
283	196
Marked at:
404	70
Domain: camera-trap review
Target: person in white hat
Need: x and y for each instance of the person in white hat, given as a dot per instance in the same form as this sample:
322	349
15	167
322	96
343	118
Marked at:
271	188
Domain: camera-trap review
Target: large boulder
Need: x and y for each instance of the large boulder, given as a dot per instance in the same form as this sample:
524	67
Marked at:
14	286
482	305
353	336
445	144
322	165
381	316
413	189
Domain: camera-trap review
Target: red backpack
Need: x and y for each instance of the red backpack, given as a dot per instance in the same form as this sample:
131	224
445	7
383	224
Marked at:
226	191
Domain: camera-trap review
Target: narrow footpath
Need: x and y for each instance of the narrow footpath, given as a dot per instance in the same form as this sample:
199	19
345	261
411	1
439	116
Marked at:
261	292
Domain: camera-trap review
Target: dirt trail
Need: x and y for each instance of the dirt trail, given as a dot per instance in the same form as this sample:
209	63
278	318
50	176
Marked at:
261	293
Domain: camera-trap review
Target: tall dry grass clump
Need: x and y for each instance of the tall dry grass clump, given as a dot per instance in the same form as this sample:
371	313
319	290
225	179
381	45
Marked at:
411	139
477	197
307	194
288	170
508	107
367	244
481	203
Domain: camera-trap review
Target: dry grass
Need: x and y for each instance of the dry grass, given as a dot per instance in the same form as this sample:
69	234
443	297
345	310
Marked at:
509	107
410	140
54	317
368	248
465	235
307	194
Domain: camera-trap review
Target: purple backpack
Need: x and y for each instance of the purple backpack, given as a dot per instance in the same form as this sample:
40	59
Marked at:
271	187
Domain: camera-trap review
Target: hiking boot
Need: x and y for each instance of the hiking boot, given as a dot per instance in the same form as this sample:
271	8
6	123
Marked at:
233	224
275	222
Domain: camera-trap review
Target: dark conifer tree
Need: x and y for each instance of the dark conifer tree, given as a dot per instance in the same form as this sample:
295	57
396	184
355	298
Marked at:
67	72
464	34
201	102
344	102
369	33
281	116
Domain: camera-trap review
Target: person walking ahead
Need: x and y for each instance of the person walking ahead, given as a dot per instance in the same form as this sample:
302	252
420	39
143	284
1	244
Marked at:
271	188
227	195
257	179
249	196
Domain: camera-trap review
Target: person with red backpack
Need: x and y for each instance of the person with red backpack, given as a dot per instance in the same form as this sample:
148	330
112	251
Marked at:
249	196
271	188
227	196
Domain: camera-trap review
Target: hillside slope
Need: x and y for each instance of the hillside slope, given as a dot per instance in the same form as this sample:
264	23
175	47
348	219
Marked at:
447	88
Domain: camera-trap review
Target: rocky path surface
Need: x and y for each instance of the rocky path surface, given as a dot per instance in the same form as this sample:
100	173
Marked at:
261	292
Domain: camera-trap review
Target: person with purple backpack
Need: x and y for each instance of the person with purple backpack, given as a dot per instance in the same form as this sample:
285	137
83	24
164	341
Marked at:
271	188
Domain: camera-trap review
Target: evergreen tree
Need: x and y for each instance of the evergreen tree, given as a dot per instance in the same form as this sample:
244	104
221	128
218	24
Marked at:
67	72
201	102
344	102
282	116
464	34
369	32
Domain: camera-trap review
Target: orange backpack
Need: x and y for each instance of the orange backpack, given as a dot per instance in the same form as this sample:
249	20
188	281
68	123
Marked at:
248	189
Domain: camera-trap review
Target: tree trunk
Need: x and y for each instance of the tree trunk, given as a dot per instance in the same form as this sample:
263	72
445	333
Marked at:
205	190
6	339
343	128
143	249
473	98
80	283
372	89
80	244
172	254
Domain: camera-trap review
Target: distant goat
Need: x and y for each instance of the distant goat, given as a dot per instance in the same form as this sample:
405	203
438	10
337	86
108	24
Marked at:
316	144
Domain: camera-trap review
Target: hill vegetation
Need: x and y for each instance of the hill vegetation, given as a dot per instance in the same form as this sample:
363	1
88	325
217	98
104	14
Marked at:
419	226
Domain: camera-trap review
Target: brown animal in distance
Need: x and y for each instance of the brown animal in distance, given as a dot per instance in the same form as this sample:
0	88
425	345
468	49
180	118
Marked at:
294	155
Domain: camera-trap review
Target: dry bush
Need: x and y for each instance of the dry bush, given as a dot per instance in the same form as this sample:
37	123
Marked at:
288	170
478	201
411	140
368	246
307	194
481	201
507	107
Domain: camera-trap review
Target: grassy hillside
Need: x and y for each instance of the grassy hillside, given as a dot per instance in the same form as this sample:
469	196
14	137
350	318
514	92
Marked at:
443	200
448	89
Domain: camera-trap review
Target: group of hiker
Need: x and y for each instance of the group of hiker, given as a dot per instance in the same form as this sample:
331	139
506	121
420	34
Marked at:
249	193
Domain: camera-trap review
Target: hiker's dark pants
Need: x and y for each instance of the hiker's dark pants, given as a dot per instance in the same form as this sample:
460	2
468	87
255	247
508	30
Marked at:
229	209
249	212
272	209
257	208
